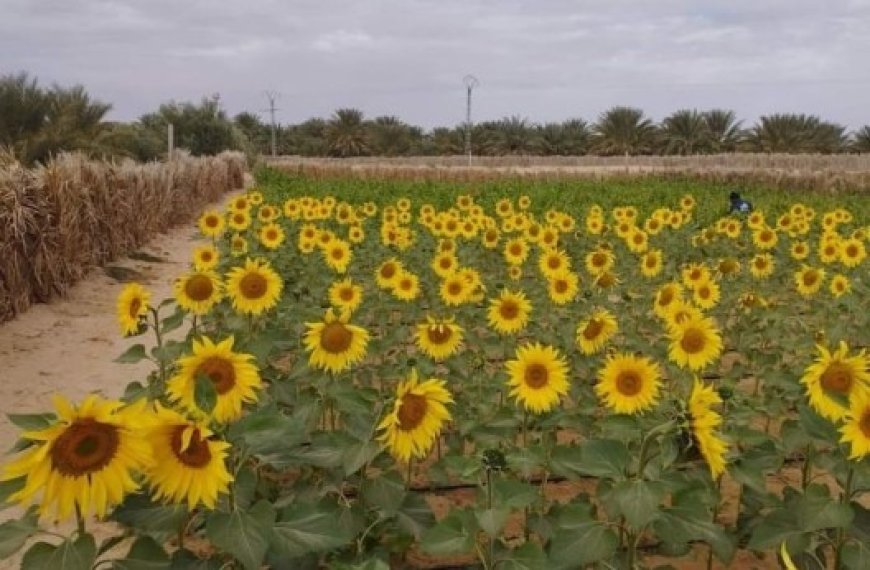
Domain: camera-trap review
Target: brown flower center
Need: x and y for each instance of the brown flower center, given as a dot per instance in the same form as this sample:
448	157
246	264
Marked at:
197	454
638	239
86	446
346	294
445	263
606	280
335	338
695	274
536	375
651	262
509	309
253	286
439	334
454	288
199	288
629	383
205	256
388	270
704	292
135	305
760	263
810	278
272	235
864	424
851	251
220	371
239	218
211	221
693	341
837	378
412	411
554	262
516	249
593	329
666	297
560	286
599	259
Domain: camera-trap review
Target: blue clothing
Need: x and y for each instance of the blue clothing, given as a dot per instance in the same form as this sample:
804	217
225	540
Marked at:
740	205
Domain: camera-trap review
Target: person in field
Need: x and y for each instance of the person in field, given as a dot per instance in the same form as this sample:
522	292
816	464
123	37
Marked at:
738	204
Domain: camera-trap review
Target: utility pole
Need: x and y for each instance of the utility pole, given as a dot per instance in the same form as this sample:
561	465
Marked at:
470	83
170	141
272	96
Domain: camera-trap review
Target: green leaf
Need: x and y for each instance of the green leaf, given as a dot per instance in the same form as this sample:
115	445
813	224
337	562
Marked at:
133	354
244	534
141	513
816	426
385	493
687	522
32	422
358	455
145	554
169	352
856	556
607	458
526	461
187	560
9	488
515	494
415	515
582	544
68	555
529	556
453	535
14	533
172	322
638	501
492	520
204	393
267	430
305	528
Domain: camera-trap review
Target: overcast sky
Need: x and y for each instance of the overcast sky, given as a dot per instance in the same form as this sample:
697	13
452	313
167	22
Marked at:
544	60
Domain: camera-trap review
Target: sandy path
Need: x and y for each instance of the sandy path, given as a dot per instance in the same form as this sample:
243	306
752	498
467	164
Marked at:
68	346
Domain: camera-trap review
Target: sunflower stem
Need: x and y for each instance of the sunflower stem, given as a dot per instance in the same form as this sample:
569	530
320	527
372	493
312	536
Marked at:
653	435
410	473
715	514
807	470
80	520
845	499
160	361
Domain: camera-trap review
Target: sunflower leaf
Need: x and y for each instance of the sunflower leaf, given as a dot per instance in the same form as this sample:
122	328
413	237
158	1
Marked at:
306	528
529	556
582	544
244	534
453	535
204	393
133	354
68	555
145	554
8	488
173	321
14	533
32	422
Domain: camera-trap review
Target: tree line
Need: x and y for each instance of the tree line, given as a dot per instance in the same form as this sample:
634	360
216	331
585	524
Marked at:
37	122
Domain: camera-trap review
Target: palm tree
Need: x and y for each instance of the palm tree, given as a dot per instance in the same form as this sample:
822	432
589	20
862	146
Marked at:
624	130
685	132
861	139
390	136
723	130
570	138
514	135
346	134
796	134
306	139
445	141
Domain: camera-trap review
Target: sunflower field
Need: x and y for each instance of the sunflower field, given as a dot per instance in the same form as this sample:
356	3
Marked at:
500	375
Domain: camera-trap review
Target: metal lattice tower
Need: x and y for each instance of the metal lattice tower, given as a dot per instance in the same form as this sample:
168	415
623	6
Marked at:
272	96
470	82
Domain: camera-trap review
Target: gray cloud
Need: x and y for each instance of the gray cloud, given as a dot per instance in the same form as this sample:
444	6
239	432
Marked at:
546	60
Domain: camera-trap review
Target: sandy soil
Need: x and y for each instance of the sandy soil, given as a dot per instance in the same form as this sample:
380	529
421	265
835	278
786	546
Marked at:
68	346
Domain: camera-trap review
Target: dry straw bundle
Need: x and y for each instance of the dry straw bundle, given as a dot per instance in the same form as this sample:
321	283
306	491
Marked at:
60	219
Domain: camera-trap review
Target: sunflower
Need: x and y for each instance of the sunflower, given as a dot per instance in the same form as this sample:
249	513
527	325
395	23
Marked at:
764	238
829	251
651	263
695	343
761	265
198	291
594	332
254	288
706	294
445	263
189	464
628	384
606	280
85	460
538	377
205	257
387	273
490	238
455	290
239	220
637	241
132	307
728	266
852	252
800	250
563	287
680	311
599	261
516	251
334	343
271	236
211	224
840	285
509	312
407	286
345	295
238	245
438	338
667	294
704	422
554	262
417	418
695	274
856	426
234	377
338	255
808	280
833	378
